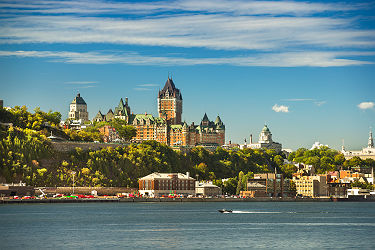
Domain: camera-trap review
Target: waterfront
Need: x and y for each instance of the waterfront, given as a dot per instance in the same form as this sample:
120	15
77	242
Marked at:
188	225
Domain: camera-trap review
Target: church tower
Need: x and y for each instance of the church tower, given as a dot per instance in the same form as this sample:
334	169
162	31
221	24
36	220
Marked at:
370	141
170	103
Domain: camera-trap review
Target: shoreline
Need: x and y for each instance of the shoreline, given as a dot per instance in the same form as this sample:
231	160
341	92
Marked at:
119	200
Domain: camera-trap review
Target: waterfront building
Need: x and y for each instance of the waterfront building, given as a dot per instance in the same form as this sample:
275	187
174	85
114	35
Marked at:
164	184
358	192
207	189
78	109
265	141
311	186
365	153
268	185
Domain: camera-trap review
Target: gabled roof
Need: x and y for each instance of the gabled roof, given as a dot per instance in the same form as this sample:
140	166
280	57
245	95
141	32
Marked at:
78	100
110	112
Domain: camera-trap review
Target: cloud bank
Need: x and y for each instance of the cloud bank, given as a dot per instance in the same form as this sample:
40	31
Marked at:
252	33
311	59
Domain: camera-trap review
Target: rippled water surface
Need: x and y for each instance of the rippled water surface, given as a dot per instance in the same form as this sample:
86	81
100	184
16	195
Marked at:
188	225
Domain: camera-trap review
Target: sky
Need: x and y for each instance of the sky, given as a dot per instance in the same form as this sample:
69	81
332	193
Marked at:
304	68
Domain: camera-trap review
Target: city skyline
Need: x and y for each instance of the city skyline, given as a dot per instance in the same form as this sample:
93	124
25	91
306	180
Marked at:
303	68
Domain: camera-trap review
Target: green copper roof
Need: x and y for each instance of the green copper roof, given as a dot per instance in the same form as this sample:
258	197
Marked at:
265	129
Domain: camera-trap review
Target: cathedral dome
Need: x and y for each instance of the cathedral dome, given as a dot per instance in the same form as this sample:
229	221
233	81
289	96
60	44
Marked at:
265	129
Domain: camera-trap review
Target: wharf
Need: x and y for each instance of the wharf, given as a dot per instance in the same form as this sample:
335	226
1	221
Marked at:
259	199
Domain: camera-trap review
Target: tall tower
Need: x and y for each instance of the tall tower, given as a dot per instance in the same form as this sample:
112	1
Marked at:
170	103
78	109
370	141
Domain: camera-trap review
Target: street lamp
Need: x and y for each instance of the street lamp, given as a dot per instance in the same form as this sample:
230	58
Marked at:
73	173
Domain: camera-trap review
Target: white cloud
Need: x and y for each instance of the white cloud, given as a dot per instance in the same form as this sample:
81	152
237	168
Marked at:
81	82
281	108
258	28
243	7
366	105
295	59
213	29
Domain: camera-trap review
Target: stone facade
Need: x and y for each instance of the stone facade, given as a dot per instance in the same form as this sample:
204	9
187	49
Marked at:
265	141
78	109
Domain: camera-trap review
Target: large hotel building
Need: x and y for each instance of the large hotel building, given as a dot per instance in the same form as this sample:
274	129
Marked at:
168	127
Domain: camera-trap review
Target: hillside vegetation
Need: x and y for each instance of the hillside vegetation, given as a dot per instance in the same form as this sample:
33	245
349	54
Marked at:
26	155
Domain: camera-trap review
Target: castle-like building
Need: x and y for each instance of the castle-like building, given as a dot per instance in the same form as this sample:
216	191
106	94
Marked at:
168	127
78	109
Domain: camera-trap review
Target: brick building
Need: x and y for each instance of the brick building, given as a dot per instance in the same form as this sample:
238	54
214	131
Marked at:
164	184
109	133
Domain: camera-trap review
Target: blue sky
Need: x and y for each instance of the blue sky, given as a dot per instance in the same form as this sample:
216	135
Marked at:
306	68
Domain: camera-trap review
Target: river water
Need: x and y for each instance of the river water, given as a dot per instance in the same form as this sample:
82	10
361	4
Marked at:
188	225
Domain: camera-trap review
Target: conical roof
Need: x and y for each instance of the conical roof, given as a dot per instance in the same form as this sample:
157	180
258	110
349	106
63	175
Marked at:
218	120
205	118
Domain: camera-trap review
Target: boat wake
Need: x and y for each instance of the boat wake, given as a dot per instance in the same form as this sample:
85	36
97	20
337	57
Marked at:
253	212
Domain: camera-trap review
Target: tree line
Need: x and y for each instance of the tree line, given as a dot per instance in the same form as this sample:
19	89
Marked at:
27	156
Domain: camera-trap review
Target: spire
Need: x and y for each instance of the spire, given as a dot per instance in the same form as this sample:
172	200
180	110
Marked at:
121	104
205	118
370	140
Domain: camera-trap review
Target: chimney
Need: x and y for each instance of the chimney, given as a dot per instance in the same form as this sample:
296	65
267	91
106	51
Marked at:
188	175
251	139
126	101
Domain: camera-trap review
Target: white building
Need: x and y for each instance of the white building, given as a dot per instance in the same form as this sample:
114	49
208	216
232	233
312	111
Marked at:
318	145
265	141
365	153
164	184
78	109
207	189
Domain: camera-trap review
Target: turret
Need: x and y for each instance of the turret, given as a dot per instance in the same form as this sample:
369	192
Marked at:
370	140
